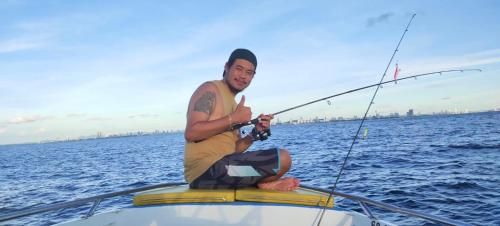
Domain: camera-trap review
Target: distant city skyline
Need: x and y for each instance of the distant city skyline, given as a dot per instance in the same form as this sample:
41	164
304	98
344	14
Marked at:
75	68
276	122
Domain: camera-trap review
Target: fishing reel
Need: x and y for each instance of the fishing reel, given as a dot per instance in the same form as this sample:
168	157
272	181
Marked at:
262	135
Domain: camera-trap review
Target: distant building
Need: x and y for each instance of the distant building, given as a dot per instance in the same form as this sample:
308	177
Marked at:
410	113
395	114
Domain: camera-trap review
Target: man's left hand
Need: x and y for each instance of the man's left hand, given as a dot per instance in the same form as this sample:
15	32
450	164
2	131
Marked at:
264	122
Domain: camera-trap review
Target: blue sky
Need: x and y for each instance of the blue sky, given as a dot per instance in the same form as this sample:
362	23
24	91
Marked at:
75	68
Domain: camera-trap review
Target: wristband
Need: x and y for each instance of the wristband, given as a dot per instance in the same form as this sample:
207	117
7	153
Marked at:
230	122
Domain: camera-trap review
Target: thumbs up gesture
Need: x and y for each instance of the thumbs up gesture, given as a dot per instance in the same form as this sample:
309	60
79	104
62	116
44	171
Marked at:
242	114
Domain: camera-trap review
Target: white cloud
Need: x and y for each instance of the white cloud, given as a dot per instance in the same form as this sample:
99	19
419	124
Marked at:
75	115
489	52
470	60
27	119
28	35
47	32
143	116
203	37
23	43
99	119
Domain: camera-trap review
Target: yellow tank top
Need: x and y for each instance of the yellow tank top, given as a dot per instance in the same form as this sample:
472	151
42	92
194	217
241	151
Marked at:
199	156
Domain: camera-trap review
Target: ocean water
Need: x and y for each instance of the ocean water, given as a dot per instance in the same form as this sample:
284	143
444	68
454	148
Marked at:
443	165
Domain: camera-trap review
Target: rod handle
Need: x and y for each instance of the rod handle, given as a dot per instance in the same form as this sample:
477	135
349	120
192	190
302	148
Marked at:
253	121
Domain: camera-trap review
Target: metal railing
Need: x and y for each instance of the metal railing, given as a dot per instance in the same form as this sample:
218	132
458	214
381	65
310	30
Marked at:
362	201
79	202
96	200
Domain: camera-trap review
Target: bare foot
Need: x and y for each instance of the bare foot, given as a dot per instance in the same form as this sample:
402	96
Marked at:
284	184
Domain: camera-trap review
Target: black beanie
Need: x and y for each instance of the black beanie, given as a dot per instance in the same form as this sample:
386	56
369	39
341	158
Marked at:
244	54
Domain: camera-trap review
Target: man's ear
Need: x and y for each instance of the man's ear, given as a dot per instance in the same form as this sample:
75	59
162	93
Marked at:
226	68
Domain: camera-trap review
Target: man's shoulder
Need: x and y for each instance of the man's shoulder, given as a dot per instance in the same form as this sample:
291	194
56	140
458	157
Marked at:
208	86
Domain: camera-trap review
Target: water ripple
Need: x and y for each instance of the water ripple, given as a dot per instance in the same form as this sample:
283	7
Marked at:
447	166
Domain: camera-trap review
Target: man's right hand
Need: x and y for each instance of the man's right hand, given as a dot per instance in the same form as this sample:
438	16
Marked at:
242	114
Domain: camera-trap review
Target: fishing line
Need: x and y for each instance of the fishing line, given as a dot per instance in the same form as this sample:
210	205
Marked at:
256	120
362	121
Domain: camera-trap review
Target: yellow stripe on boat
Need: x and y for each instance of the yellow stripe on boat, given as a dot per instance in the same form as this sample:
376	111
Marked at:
300	197
183	194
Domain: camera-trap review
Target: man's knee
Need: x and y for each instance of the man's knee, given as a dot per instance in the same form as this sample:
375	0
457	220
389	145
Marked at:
285	158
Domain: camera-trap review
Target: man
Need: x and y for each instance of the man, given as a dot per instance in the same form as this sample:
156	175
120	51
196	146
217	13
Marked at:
214	155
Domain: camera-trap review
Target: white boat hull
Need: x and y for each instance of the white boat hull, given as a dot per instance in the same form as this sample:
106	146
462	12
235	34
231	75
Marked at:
225	214
173	204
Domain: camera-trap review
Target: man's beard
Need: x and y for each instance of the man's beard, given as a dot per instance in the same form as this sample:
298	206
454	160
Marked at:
234	89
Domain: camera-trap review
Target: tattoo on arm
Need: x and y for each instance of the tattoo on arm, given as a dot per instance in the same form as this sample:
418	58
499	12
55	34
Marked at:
205	103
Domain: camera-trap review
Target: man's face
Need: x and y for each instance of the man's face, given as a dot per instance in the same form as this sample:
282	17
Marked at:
239	75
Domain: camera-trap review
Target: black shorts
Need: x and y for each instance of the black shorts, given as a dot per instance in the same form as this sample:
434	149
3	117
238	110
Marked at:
240	170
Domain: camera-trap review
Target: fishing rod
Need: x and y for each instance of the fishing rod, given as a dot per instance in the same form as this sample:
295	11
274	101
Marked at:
256	120
363	120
